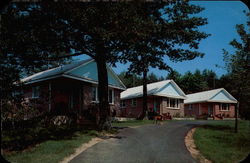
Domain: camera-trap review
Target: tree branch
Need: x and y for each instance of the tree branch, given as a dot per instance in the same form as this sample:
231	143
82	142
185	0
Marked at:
71	55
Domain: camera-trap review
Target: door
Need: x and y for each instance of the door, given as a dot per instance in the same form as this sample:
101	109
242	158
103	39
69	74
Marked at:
157	105
210	109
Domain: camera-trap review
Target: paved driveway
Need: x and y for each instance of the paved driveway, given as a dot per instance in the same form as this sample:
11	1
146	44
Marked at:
149	143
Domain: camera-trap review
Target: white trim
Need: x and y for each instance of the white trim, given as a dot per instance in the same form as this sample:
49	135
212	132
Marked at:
221	101
93	60
220	107
38	80
113	96
204	101
96	94
93	82
173	108
77	78
116	76
178	88
177	102
169	96
228	94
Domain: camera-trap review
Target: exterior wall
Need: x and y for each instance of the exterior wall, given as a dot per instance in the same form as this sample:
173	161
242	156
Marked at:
64	90
135	111
230	113
203	109
173	112
194	111
41	103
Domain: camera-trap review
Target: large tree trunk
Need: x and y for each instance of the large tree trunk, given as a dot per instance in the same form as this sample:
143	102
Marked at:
145	95
103	115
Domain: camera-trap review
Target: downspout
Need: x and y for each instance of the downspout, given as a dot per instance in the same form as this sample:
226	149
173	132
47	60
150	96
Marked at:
214	110
199	109
49	96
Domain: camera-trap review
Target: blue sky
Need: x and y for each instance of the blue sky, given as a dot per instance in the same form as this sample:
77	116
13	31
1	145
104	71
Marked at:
222	17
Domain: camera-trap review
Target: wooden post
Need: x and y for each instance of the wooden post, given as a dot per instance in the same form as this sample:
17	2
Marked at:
236	118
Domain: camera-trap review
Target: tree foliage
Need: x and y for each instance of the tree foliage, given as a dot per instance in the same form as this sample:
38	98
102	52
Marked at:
195	82
133	80
46	31
163	33
238	66
49	31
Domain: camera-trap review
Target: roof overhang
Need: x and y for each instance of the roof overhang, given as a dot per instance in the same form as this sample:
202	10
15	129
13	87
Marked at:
211	101
141	95
71	77
169	96
90	81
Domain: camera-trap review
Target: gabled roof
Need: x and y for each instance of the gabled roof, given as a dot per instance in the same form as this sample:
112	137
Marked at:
156	89
83	70
215	95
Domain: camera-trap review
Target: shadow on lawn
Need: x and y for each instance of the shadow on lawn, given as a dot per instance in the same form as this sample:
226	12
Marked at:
24	138
217	127
119	128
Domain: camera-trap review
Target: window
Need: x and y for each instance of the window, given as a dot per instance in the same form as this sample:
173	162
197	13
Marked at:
133	102
122	104
111	96
94	94
173	103
190	106
224	107
35	92
17	93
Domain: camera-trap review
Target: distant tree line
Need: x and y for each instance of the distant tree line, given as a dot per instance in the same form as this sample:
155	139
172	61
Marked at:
188	82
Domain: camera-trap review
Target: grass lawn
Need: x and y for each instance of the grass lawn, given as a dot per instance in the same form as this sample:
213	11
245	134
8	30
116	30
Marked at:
218	142
51	151
132	123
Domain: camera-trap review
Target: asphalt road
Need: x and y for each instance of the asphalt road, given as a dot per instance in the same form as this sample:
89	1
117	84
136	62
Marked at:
146	144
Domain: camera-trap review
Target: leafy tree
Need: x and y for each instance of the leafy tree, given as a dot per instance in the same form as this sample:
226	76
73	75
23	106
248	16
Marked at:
200	83
210	77
188	83
130	80
161	78
238	66
163	32
133	80
176	76
151	78
51	31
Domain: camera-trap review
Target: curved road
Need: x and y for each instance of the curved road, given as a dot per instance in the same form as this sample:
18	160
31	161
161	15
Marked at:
146	144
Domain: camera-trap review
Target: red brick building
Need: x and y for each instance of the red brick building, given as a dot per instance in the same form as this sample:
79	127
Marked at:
215	103
71	87
163	97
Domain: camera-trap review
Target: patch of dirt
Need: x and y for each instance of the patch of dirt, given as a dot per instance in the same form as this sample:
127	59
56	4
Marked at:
82	148
189	142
